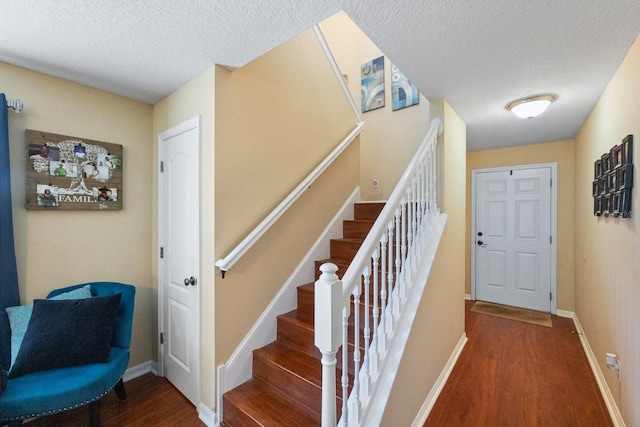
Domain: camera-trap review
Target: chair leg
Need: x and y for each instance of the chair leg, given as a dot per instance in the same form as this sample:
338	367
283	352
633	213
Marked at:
120	391
94	413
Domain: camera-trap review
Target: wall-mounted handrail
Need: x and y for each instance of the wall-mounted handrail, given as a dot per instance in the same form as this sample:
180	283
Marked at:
337	72
228	261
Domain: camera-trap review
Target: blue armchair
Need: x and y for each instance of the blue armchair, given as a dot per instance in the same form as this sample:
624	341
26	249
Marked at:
57	390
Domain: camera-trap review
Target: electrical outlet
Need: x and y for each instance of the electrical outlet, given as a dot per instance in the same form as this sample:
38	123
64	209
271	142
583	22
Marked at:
613	363
375	183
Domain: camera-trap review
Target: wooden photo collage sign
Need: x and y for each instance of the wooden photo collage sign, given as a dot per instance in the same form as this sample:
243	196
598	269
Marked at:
70	173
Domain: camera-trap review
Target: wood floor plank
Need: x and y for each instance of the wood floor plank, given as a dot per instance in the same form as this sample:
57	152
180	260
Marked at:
517	374
152	401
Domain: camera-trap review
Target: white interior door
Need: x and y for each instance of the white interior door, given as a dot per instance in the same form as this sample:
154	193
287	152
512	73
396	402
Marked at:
513	237
179	224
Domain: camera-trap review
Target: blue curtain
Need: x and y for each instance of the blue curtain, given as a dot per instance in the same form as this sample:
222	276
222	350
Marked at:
9	292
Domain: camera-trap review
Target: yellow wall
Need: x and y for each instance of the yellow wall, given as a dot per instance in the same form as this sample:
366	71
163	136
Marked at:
439	323
196	98
390	138
276	119
608	249
562	153
57	249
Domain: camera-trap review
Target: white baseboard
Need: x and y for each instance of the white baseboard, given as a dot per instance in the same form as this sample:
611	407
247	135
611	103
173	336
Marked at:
467	297
139	370
427	406
565	313
614	412
207	416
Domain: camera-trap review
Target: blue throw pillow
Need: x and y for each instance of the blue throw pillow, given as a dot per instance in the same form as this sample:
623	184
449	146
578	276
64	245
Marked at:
20	315
64	333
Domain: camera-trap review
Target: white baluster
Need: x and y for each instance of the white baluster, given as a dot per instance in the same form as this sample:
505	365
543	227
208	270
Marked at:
374	355
355	409
345	365
419	234
396	290
383	294
328	337
403	252
416	218
390	276
364	384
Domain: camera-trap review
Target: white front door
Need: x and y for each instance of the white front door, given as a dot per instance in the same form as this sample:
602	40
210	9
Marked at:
513	237
179	240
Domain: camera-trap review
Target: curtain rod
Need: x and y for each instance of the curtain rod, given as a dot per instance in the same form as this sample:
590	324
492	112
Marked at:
15	104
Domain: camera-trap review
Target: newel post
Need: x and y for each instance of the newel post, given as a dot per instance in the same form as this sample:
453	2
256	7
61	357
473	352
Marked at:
328	336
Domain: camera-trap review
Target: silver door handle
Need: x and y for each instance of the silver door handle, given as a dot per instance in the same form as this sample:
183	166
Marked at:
480	243
190	281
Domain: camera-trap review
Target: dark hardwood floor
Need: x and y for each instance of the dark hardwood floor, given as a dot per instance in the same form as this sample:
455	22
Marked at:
509	374
152	401
516	374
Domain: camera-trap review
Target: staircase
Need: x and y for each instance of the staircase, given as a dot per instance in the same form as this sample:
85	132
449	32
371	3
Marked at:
285	389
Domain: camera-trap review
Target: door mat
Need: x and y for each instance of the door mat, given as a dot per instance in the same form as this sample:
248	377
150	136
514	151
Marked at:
513	313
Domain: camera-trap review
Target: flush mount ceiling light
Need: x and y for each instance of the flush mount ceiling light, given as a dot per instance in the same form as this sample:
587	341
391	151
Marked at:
531	106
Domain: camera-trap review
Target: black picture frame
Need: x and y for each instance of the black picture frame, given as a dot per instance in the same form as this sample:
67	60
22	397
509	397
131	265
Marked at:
597	205
597	169
613	181
615	203
625	203
606	163
626	177
627	150
606	205
604	185
616	155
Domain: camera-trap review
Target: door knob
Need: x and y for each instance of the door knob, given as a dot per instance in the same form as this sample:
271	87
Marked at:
480	243
190	281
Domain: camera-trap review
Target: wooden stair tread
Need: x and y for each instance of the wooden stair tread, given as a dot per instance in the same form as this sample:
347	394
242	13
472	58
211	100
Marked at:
267	406
293	360
301	318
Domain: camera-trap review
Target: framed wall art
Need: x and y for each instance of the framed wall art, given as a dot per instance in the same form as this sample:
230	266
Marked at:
372	84
71	173
403	93
613	181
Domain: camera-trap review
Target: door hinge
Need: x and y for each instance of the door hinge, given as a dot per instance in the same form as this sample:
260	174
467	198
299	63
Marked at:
550	296
161	252
551	182
161	166
161	338
551	240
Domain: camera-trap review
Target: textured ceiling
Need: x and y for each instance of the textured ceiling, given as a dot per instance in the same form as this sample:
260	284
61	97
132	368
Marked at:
480	55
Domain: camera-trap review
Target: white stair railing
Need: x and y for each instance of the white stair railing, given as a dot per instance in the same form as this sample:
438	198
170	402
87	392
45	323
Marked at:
381	274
